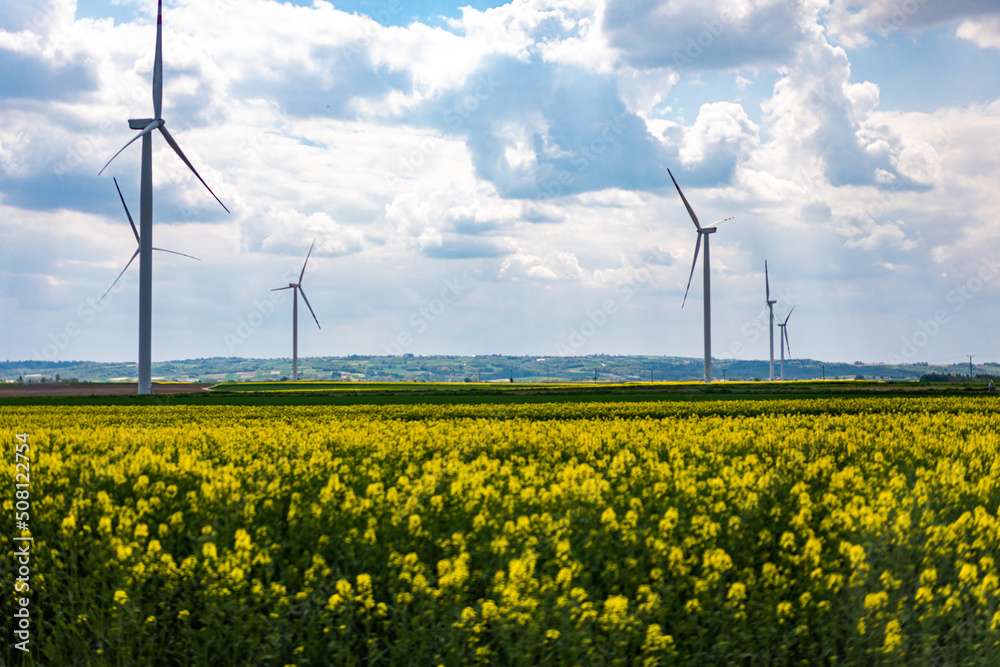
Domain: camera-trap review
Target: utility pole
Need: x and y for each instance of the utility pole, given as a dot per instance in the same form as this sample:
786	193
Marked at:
824	370
970	366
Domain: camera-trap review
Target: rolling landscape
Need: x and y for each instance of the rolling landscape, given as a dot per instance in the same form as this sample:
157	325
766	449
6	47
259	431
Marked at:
480	368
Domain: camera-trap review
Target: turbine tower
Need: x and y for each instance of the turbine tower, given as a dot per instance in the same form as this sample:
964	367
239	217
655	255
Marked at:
702	232
296	290
769	306
138	241
783	342
147	125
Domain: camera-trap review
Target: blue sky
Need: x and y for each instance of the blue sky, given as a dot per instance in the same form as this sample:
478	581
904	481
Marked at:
492	178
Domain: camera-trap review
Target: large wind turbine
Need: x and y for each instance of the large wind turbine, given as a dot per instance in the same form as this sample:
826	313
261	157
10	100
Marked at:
147	125
769	306
783	342
702	231
138	242
296	290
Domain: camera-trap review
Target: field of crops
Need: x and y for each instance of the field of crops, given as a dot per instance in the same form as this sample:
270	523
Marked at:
844	531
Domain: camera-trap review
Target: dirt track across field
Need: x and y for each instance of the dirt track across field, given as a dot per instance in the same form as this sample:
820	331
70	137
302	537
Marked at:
96	389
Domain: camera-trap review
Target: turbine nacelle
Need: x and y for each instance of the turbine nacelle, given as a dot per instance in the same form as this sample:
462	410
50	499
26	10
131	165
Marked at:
145	123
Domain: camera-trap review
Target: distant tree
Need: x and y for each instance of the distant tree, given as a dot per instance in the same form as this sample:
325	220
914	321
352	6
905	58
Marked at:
859	377
942	377
20	379
284	378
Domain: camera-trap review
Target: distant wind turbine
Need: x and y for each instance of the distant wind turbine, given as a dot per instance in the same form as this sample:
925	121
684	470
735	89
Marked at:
296	290
138	242
147	125
769	306
783	342
702	232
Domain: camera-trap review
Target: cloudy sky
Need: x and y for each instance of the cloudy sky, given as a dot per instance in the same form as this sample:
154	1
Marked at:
492	178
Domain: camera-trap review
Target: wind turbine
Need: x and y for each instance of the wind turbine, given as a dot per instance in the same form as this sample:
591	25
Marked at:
147	125
702	232
783	342
769	305
135	232
296	290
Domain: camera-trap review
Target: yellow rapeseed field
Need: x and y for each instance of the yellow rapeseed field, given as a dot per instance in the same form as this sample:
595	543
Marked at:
839	531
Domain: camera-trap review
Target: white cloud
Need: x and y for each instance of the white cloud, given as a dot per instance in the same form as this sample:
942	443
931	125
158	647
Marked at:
693	35
854	23
554	266
887	235
984	32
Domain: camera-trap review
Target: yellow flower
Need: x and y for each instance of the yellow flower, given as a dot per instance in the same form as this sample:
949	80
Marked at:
893	636
243	542
208	550
120	597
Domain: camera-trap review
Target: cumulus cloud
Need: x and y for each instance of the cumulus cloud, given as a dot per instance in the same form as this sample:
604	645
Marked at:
886	235
822	121
720	138
855	23
693	35
554	266
984	32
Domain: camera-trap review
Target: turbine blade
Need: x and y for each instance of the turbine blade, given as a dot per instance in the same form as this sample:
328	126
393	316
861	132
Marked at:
158	63
684	199
757	319
719	222
145	130
180	154
301	275
302	292
134	230
788	345
789	314
697	247
174	252
767	284
134	255
278	289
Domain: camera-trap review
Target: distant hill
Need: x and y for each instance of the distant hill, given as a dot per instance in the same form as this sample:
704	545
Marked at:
492	368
